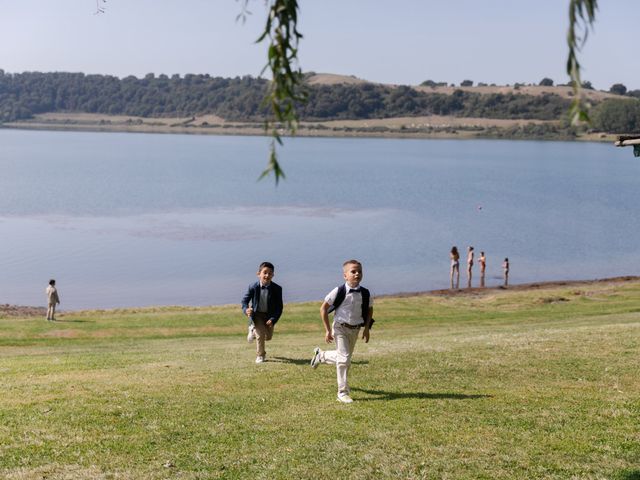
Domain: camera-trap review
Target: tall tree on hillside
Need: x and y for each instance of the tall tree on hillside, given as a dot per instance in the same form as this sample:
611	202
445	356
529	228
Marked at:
618	89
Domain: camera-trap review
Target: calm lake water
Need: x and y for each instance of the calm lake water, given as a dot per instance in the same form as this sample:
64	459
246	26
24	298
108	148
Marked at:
144	219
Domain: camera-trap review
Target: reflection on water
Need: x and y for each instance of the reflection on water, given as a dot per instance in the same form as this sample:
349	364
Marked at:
126	219
202	257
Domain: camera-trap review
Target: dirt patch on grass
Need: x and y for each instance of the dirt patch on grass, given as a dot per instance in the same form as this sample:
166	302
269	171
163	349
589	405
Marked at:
553	299
57	472
62	334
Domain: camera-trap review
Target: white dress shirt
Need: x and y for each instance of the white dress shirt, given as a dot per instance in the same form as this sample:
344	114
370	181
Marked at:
350	310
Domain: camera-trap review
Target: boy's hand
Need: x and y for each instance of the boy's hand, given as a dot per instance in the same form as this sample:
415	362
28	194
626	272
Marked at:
269	323
365	335
328	337
249	311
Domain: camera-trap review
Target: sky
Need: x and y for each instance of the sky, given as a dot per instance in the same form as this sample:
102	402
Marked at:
397	42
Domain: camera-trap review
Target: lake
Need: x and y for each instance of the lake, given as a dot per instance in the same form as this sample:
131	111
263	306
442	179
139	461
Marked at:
122	219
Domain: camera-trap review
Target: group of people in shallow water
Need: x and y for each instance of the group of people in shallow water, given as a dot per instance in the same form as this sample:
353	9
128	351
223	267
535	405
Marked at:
482	260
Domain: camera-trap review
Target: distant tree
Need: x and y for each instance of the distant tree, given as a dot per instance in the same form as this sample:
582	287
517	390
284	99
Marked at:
634	93
587	85
431	83
546	82
618	89
466	83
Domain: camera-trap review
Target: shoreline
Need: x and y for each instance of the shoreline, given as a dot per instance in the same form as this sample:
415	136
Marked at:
426	127
21	311
516	287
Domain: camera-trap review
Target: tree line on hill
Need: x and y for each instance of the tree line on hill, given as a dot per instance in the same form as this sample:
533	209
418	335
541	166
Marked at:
616	88
241	99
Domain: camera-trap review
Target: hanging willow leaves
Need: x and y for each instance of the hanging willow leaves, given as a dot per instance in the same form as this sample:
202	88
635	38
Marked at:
582	14
100	6
286	88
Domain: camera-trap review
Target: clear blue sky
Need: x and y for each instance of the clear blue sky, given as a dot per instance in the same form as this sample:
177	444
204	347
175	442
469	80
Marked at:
399	41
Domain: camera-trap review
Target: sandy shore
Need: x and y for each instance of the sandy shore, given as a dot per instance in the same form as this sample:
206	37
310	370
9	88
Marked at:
434	126
7	310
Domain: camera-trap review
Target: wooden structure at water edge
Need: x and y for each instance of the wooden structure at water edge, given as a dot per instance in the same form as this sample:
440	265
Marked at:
628	141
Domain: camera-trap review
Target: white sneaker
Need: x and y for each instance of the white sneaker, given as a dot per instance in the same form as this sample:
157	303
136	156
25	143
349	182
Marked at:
260	359
251	336
315	360
344	398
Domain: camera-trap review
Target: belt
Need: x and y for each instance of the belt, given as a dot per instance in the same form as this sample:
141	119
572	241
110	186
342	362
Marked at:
352	327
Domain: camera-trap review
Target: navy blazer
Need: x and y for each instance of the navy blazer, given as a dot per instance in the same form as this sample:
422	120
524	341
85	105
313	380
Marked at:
274	299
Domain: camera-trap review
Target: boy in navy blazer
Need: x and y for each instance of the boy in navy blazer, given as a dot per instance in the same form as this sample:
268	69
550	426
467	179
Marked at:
263	305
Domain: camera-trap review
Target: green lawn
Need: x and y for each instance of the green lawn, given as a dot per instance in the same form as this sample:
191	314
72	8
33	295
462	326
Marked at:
508	384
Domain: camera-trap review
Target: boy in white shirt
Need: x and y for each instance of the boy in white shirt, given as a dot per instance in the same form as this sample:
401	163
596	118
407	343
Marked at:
353	305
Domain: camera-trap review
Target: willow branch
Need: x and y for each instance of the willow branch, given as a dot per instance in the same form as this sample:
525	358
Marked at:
286	89
582	14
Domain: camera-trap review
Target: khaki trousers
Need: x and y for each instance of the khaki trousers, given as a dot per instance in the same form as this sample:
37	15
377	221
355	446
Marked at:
345	339
263	332
51	311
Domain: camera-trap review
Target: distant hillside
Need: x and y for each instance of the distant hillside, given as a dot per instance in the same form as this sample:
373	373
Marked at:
564	91
331	98
332	79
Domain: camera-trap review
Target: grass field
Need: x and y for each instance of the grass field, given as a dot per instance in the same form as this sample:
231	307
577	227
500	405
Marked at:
505	384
